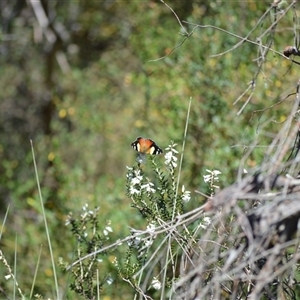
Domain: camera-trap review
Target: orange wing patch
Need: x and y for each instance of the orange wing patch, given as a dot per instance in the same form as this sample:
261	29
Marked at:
146	146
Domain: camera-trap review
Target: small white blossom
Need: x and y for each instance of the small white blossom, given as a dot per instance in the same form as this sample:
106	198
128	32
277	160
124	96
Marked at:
170	159
109	280
85	211
7	277
217	172
136	180
206	178
134	242
84	215
134	176
170	156
205	222
186	195
172	148
107	230
156	284
133	190
148	187
212	177
151	228
148	243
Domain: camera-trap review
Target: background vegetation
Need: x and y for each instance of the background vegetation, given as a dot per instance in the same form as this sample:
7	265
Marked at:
83	79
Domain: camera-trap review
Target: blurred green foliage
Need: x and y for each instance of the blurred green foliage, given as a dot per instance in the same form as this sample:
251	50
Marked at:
108	78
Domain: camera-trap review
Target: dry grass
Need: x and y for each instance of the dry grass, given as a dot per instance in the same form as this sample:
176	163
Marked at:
251	247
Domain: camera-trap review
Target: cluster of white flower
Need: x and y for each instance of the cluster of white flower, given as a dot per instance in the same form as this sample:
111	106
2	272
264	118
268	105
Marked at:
205	222
146	242
170	156
156	284
186	195
135	178
134	242
212	177
136	186
107	229
151	228
85	212
109	280
148	187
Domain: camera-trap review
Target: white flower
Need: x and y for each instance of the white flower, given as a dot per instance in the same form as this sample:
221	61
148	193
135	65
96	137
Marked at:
206	178
170	159
136	180
148	243
68	221
133	190
107	230
172	148
170	156
156	284
186	195
83	215
85	211
134	176
212	176
205	222
148	187
134	242
109	280
217	172
151	228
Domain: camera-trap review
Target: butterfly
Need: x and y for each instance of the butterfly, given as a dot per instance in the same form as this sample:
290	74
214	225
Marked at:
146	146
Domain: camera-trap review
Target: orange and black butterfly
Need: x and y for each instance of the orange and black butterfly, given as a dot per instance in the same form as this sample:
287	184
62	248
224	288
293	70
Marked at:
146	146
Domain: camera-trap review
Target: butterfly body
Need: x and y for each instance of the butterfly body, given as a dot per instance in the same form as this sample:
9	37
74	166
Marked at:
146	146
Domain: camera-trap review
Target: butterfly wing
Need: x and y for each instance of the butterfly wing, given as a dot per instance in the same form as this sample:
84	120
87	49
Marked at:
146	146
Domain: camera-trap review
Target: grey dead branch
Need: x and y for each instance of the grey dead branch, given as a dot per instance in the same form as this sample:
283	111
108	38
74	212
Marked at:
250	250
